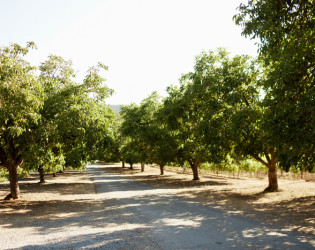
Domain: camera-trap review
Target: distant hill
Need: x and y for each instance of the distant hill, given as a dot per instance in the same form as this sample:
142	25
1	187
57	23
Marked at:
116	108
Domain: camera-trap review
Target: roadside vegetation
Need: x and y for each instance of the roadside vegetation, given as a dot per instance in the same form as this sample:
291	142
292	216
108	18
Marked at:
231	113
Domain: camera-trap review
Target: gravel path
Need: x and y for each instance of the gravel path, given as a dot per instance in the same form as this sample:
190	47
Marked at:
124	214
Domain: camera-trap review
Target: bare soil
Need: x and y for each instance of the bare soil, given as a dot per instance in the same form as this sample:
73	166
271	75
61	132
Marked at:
293	207
68	192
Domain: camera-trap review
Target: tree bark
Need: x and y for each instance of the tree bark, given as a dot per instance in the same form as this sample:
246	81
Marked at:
162	169
54	175
272	177
41	174
271	164
272	173
12	168
14	184
131	166
142	166
194	166
123	164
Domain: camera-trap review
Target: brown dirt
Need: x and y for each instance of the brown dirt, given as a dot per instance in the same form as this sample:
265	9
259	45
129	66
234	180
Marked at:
293	206
68	192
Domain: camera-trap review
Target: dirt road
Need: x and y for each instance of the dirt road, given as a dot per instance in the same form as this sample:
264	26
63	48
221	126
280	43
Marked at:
175	222
126	214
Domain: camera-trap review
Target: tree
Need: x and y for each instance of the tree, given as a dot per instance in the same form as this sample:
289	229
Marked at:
130	153
182	114
21	97
74	124
78	111
161	140
147	110
50	120
46	155
286	33
235	119
133	149
137	125
109	148
209	88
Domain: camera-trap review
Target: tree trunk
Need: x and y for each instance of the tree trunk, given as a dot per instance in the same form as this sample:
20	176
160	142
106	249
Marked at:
41	174
273	179
14	184
272	172
123	164
54	175
12	168
131	166
142	166
271	164
162	169
194	166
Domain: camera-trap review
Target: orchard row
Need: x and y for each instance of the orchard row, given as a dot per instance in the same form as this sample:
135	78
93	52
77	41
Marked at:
229	109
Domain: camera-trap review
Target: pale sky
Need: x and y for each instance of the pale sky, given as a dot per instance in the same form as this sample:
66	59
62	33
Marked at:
147	44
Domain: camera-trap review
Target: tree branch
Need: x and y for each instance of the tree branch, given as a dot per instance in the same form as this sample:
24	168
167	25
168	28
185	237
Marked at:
18	161
257	158
13	149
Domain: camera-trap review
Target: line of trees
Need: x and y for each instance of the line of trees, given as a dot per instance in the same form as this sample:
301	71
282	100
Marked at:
226	108
238	107
47	120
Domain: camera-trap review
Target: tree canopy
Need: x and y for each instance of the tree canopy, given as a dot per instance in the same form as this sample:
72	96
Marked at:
21	98
285	30
226	107
49	121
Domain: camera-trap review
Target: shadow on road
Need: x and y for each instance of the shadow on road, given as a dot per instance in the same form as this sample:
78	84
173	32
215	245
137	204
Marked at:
125	214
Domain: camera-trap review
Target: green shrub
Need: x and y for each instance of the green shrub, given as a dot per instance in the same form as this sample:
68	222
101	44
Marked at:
232	166
3	175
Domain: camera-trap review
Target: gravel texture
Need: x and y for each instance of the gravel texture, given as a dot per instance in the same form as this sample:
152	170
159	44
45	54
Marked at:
124	214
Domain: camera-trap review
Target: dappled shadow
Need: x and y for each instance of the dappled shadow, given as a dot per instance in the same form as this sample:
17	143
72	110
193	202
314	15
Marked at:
25	208
296	213
120	170
170	181
248	197
150	218
293	213
125	239
170	221
59	188
164	180
182	216
69	172
299	212
53	185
